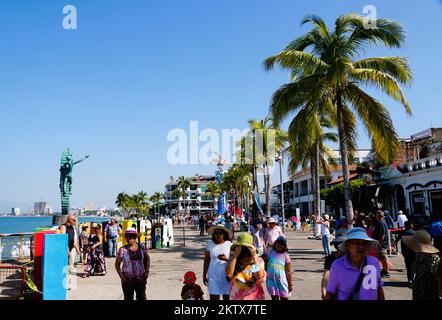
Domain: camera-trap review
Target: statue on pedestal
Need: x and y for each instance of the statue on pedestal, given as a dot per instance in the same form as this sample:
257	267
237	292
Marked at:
66	165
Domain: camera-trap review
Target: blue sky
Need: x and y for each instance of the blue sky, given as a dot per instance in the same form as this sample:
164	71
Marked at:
136	69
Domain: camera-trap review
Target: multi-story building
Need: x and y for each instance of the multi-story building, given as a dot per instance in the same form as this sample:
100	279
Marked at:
196	201
298	190
413	183
15	211
89	207
41	208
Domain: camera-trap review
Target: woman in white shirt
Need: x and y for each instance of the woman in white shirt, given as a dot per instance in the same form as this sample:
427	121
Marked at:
325	232
215	261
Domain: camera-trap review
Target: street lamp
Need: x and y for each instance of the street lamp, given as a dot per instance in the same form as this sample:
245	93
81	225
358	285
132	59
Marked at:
278	158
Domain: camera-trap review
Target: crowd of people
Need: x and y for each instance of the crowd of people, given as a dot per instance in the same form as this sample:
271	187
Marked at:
258	261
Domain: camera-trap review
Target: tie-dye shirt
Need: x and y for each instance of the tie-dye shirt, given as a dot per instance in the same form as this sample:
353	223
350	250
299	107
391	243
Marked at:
244	285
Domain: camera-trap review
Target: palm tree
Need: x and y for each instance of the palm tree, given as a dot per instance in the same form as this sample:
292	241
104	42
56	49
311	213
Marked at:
273	140
307	148
213	190
325	70
123	201
156	199
183	184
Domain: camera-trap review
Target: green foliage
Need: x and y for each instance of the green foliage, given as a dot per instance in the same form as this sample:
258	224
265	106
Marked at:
334	196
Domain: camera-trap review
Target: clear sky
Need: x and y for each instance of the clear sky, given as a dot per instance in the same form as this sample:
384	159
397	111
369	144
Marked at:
133	70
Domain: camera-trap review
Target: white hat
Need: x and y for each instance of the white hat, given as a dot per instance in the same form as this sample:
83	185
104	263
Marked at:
326	217
400	212
271	220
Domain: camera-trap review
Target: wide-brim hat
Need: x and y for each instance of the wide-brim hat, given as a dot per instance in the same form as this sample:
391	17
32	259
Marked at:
326	217
420	242
95	225
131	231
271	220
220	226
358	234
244	240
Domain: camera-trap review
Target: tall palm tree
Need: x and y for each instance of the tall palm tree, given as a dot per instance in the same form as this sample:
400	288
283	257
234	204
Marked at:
213	190
307	149
273	140
156	199
324	69
183	184
123	202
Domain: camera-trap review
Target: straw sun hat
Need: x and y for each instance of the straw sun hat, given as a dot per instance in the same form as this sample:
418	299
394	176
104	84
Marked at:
420	242
220	226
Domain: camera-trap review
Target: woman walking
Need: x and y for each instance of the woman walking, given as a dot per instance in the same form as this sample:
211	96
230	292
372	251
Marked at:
136	266
424	284
96	264
279	271
215	261
246	270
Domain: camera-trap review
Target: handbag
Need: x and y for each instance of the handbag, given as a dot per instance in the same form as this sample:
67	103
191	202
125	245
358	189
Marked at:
355	294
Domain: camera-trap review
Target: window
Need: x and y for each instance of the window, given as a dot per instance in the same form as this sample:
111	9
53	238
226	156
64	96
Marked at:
417	201
304	188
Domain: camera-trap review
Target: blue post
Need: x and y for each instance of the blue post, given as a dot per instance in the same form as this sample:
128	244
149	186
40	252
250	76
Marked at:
55	266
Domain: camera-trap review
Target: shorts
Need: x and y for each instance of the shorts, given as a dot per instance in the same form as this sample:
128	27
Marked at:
382	254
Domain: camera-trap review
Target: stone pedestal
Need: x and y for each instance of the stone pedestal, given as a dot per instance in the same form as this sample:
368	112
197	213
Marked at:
59	219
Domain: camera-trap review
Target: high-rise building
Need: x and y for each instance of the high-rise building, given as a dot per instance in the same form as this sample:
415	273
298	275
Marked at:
89	207
41	208
15	211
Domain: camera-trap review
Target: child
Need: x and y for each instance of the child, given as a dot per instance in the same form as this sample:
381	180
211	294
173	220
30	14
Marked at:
191	291
84	236
279	271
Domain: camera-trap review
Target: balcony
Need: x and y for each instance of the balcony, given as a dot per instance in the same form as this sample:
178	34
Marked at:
422	164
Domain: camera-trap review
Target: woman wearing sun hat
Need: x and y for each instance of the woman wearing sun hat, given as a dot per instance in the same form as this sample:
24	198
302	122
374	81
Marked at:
136	265
356	275
325	232
246	270
215	261
95	263
424	285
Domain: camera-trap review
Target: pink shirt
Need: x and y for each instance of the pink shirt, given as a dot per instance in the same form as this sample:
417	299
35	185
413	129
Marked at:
270	235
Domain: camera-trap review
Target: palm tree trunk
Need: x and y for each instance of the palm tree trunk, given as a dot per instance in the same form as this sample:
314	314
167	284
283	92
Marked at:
315	180
268	189
344	161
318	179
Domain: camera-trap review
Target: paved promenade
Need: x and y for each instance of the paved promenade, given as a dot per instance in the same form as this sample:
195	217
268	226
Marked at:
169	265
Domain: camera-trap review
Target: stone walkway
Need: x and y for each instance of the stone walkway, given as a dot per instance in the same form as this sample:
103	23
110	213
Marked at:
169	265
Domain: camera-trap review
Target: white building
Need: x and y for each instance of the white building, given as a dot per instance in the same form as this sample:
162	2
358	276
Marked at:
195	201
15	211
298	191
41	207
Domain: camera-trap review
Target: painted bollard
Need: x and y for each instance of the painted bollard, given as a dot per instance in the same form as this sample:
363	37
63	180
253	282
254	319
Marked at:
55	266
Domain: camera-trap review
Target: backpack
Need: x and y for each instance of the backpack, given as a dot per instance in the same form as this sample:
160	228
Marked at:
331	229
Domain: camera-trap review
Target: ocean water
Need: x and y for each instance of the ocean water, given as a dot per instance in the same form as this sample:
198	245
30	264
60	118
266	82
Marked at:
28	224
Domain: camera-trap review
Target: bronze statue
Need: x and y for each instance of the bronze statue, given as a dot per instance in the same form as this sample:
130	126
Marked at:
66	165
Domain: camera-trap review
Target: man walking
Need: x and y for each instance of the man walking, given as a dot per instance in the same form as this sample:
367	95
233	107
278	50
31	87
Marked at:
401	219
380	234
407	253
111	236
73	249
